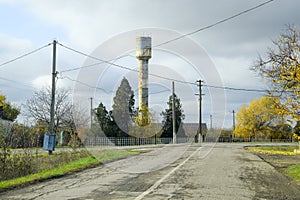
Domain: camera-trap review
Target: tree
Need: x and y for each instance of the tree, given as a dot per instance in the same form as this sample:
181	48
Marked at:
105	120
38	107
261	119
281	69
102	116
167	130
123	110
296	132
7	111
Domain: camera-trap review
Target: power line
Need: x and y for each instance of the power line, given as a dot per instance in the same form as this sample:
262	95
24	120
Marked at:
236	89
154	75
24	55
13	81
86	84
94	64
122	66
172	40
216	23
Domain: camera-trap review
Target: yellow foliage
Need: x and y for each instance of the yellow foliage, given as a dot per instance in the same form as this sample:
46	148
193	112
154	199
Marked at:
272	152
143	117
296	136
2	99
252	118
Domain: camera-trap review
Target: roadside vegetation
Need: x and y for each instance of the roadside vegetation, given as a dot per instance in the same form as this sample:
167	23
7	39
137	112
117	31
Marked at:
43	166
21	159
278	150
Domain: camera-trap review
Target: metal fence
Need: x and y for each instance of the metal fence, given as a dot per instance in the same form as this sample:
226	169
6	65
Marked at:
130	141
230	139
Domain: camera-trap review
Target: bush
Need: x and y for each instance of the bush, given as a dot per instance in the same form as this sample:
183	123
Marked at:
14	165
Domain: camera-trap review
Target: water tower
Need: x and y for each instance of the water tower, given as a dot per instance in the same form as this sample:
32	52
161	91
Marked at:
143	54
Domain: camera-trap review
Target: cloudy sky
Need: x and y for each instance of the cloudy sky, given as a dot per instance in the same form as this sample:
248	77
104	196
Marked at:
95	27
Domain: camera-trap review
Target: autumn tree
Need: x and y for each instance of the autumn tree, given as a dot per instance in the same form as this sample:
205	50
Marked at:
262	119
8	111
281	69
168	118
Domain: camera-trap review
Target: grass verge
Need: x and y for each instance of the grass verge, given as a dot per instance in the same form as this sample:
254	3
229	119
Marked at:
82	163
294	172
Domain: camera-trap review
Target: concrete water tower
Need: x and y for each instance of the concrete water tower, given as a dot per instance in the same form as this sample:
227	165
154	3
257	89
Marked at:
143	54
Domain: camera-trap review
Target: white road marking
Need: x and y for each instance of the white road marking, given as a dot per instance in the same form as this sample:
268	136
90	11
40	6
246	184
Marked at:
155	185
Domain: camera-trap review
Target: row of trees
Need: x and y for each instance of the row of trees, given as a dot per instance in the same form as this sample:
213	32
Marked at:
275	114
124	121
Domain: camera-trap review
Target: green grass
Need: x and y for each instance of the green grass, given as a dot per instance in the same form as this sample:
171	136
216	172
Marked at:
294	172
51	173
80	164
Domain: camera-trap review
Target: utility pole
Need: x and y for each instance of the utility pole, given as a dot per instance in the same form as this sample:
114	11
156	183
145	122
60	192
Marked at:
54	73
211	126
199	132
91	111
233	122
173	113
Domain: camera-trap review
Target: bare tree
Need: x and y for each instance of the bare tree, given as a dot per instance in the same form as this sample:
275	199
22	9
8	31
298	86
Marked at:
38	107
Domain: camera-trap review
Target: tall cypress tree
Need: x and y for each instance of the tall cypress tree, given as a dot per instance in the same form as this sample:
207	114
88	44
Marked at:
123	108
168	119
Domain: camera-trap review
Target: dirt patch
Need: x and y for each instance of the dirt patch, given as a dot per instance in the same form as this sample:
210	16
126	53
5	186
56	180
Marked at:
280	162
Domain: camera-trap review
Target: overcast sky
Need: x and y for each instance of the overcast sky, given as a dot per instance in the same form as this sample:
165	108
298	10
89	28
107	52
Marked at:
87	25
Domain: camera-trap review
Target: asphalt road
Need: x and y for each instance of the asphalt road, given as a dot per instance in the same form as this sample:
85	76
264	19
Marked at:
221	171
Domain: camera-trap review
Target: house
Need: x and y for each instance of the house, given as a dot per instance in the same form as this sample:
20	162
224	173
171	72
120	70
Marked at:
192	128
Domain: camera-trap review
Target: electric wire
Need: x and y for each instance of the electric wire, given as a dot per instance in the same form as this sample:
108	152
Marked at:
24	55
94	64
169	41
122	66
159	76
237	89
17	82
166	42
85	84
216	23
182	36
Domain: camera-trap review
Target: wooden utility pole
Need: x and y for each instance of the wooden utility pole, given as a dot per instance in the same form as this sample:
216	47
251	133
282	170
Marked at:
211	123
199	132
91	99
233	122
52	105
173	113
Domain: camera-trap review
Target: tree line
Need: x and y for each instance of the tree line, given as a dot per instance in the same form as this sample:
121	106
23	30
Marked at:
124	117
72	121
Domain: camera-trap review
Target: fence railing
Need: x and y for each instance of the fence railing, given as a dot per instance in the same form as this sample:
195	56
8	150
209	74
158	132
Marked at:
235	139
130	141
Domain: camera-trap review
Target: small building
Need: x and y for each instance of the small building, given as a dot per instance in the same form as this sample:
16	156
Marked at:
191	129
